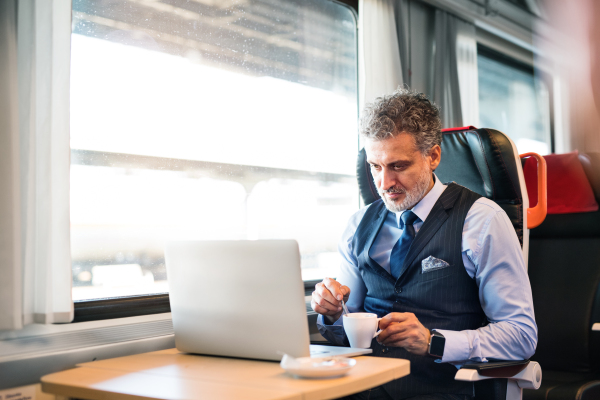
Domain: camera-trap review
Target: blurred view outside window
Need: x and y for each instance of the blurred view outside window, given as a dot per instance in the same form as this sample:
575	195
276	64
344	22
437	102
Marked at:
208	119
516	102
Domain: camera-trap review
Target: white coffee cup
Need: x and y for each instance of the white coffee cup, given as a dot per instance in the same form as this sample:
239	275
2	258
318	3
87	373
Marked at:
360	328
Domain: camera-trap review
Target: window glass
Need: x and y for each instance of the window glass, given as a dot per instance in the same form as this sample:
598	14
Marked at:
207	119
516	102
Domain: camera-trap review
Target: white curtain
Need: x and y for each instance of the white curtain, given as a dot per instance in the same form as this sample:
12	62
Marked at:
455	79
41	290
10	232
446	90
386	59
379	50
468	78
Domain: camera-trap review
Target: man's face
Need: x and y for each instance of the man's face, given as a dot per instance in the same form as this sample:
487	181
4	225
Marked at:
402	174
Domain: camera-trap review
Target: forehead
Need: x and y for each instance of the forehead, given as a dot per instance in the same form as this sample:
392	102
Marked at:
399	147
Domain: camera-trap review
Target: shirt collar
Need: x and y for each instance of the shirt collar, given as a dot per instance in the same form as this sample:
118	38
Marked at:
423	207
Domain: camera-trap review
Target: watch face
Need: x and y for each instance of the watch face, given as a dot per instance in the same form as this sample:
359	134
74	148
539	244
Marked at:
437	345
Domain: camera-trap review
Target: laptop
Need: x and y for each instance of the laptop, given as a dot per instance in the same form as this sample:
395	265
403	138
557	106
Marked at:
241	299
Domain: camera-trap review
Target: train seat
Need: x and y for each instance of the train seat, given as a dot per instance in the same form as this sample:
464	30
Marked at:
487	162
564	269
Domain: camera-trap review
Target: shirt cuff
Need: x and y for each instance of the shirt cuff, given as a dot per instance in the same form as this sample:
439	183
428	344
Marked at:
321	320
460	347
334	333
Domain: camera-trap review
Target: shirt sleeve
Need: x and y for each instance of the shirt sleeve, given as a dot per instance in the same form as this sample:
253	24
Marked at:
493	257
350	276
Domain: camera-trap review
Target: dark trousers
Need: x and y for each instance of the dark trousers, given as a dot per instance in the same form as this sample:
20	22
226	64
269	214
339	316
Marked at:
378	393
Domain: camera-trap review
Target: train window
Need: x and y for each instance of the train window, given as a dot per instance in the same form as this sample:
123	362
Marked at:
208	119
514	100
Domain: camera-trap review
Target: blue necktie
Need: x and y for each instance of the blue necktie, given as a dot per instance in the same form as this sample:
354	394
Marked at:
401	247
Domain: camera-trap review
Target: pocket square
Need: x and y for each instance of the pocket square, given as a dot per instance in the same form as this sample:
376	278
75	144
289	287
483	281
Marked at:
432	264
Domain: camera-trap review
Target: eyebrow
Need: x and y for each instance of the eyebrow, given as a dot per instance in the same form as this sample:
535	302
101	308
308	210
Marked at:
393	162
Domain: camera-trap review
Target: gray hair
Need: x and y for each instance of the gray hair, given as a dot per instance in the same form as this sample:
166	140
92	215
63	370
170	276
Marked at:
403	111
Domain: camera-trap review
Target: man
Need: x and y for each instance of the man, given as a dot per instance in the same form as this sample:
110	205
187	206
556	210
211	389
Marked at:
430	259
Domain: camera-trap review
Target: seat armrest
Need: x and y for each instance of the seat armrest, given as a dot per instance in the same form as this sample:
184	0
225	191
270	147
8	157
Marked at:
527	374
498	369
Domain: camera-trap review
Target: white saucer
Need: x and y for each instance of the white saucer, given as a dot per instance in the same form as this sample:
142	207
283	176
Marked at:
307	367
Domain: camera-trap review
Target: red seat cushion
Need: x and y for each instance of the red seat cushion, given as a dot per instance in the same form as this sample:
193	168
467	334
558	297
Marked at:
569	190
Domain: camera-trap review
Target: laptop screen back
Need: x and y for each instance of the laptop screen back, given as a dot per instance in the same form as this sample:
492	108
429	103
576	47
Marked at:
238	298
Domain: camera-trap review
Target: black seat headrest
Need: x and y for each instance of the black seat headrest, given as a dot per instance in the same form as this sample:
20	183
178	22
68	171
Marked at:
367	188
482	160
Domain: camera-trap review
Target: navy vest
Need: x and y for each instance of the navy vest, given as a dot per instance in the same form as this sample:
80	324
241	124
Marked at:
446	298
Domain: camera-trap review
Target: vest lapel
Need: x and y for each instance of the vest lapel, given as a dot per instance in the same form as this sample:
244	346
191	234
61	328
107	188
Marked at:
432	224
374	229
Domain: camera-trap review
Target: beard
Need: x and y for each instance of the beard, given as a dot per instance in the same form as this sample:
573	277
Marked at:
411	198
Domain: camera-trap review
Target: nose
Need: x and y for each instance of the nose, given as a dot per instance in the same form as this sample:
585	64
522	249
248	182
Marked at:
387	179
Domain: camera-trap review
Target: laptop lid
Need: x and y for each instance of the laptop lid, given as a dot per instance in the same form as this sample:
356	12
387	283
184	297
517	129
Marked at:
238	298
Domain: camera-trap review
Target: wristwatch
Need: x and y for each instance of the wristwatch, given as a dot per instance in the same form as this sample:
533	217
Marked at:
437	341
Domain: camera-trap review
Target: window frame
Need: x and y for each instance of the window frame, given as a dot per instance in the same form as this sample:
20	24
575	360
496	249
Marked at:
496	54
134	306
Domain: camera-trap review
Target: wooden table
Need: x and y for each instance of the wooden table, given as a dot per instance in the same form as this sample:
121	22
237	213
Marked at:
168	374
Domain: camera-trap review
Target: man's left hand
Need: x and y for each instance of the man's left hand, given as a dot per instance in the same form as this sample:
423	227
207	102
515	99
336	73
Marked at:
404	330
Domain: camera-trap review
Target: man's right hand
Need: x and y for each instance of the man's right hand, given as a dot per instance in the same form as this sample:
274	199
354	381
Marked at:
326	299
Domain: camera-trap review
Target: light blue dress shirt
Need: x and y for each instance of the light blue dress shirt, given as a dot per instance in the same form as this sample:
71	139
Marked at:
492	256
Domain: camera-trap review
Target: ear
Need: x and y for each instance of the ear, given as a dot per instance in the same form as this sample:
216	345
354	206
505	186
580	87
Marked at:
434	157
